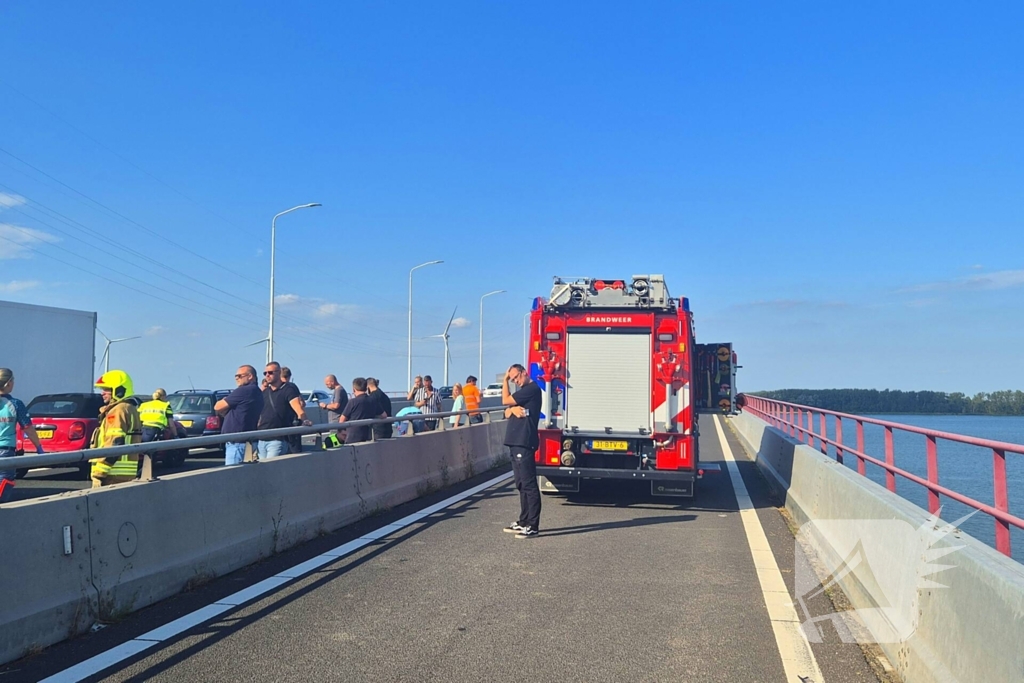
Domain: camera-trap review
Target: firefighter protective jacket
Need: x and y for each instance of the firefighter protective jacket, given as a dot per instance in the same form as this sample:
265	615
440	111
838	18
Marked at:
119	426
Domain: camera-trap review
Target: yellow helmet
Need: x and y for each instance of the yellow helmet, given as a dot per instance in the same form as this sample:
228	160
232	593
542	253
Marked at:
118	382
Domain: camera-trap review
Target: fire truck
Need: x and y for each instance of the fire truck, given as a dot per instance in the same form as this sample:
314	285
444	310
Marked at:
617	366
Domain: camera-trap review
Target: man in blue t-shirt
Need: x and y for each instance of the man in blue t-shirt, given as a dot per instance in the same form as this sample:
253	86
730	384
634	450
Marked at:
241	411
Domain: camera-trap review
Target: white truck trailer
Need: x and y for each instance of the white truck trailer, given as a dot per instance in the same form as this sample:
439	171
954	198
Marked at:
50	350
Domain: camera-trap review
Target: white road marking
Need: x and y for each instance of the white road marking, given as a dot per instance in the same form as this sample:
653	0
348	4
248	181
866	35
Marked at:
797	657
116	655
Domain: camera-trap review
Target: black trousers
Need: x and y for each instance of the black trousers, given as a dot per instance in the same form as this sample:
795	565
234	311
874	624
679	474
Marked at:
524	467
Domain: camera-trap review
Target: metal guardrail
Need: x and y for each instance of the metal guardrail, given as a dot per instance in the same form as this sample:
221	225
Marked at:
791	418
147	449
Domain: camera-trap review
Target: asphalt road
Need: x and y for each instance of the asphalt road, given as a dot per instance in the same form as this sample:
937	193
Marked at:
619	586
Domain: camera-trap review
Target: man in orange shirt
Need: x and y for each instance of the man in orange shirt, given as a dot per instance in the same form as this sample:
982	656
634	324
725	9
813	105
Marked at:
472	394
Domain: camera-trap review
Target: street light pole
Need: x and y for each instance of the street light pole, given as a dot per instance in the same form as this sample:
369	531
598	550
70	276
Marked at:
481	370
408	381
273	241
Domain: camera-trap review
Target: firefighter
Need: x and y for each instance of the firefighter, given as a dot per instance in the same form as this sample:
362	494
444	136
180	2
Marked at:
119	426
156	416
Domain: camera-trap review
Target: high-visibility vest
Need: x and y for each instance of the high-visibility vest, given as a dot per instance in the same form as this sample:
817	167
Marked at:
155	413
110	429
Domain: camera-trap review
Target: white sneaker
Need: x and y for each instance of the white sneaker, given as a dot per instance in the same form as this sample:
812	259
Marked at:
513	528
527	532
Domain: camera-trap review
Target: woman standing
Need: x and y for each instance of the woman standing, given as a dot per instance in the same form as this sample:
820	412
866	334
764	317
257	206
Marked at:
12	414
460	404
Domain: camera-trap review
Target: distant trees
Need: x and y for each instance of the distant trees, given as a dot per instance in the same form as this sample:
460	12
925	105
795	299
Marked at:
860	401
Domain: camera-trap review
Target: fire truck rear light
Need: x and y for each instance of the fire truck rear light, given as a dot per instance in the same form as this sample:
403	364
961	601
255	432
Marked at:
553	459
553	336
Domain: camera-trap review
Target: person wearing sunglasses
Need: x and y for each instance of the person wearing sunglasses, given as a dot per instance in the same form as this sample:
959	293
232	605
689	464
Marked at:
282	407
241	412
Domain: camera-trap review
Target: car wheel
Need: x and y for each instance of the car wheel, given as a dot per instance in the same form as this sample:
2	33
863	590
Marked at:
85	471
179	458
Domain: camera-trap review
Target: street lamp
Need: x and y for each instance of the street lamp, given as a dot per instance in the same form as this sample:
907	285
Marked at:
497	291
273	240
106	349
408	381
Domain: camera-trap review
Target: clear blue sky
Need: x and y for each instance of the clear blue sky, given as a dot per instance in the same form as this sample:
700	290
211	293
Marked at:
837	189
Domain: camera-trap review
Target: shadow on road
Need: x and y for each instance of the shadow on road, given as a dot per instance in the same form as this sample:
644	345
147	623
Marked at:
623	524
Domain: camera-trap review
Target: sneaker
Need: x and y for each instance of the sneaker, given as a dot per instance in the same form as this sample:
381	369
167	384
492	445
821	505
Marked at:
527	532
513	528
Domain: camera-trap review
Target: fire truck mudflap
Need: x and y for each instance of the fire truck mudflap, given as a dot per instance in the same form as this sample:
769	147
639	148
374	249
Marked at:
614	360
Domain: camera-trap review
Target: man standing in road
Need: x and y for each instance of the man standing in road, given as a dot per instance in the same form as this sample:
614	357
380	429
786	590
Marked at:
416	393
381	431
361	407
429	401
282	406
522	409
339	397
241	412
472	393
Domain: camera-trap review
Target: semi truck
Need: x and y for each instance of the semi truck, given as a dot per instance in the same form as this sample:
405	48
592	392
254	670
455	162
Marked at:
617	364
50	350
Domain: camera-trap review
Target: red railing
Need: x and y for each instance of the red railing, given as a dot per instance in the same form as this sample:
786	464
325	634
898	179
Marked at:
797	421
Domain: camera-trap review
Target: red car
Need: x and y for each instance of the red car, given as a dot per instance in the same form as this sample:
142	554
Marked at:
64	422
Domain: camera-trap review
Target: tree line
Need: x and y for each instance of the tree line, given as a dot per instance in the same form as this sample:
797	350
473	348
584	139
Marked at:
861	401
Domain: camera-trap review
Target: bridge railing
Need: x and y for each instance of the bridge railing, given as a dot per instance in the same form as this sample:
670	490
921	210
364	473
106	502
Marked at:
147	450
798	421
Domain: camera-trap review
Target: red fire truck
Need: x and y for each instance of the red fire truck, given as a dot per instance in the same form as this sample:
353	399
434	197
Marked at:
616	363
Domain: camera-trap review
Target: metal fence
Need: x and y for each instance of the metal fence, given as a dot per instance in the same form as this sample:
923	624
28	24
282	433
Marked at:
148	449
798	421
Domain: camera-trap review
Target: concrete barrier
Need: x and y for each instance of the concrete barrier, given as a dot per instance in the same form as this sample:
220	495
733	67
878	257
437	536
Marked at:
962	623
45	594
145	541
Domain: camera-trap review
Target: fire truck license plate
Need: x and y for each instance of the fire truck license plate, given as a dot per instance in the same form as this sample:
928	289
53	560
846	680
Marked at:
609	445
44	433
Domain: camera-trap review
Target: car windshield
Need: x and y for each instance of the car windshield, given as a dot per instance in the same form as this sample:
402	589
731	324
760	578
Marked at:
494	386
64	406
189	403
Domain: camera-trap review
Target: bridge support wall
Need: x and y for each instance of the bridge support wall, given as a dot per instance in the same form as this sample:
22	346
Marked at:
967	626
135	544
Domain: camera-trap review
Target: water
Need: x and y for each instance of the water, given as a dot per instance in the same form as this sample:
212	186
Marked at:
962	468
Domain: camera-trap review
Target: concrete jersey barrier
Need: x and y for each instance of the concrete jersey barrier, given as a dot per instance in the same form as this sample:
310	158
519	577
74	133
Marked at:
135	544
966	626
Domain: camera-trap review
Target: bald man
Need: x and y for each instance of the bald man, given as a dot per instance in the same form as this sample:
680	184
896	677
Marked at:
339	398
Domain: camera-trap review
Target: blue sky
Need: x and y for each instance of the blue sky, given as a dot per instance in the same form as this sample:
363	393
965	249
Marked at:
837	189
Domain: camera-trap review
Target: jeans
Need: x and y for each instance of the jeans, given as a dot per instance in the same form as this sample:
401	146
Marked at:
234	453
6	474
272	449
524	467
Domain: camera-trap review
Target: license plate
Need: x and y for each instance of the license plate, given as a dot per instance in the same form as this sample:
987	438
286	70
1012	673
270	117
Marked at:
44	433
185	423
610	445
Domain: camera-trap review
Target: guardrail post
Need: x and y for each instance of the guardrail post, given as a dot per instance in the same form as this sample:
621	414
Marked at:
823	441
839	439
800	425
890	459
932	453
861	465
1001	500
146	474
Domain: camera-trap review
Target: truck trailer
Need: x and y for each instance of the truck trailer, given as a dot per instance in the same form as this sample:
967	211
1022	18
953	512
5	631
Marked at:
616	362
50	350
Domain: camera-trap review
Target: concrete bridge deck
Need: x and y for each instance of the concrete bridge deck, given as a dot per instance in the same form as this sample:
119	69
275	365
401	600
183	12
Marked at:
619	586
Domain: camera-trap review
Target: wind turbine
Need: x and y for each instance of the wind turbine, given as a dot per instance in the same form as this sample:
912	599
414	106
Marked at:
106	349
265	340
445	336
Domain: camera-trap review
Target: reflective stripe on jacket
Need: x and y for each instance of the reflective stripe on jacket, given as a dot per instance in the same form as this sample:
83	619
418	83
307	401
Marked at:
156	414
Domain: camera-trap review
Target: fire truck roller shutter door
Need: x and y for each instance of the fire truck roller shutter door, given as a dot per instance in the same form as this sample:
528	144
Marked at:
609	381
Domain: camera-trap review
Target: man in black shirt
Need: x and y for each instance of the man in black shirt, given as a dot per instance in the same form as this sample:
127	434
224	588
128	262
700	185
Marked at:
523	413
381	431
282	406
361	406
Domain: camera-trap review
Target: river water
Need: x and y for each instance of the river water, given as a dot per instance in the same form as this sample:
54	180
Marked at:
962	468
